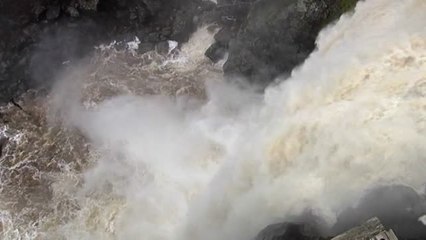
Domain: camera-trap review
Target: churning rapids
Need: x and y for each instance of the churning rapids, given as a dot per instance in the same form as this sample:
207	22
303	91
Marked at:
130	146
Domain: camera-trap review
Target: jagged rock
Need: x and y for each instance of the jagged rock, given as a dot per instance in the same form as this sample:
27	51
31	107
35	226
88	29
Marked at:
370	230
224	36
145	47
53	12
216	52
397	207
183	24
288	231
140	13
31	55
153	5
162	47
278	35
88	4
72	11
3	142
38	10
153	37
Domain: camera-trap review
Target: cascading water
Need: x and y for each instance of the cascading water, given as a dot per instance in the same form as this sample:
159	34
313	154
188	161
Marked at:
146	152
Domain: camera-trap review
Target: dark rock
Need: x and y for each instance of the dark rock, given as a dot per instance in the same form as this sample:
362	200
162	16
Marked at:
153	5
53	12
73	12
89	5
226	14
277	36
234	12
33	50
167	31
143	14
3	142
371	229
59	45
38	11
232	2
288	231
229	15
162	47
398	207
224	36
145	47
183	25
154	37
122	14
133	15
207	6
216	52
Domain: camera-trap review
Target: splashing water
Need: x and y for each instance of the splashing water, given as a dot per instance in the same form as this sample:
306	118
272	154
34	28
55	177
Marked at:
351	118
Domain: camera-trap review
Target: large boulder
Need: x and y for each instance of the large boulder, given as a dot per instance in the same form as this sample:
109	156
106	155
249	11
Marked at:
371	229
398	207
288	231
278	35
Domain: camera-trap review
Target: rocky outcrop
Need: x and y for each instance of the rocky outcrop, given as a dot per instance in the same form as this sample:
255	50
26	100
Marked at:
288	231
276	36
263	38
371	229
39	36
397	207
3	142
229	15
36	41
385	213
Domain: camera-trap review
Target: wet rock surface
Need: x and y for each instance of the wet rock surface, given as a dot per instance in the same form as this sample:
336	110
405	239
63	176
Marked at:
288	231
264	38
267	38
371	229
397	207
385	213
3	142
39	37
278	35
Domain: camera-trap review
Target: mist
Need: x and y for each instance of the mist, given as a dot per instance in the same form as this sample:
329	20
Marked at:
340	140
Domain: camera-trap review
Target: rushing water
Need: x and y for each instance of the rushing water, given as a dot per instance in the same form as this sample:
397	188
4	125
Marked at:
151	147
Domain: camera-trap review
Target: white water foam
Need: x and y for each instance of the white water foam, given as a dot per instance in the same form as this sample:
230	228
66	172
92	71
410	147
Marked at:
351	118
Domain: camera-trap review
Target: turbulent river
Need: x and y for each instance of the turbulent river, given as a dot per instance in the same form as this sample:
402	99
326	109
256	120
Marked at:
159	147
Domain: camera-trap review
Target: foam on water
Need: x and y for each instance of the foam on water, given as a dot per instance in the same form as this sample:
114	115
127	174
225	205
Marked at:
351	118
